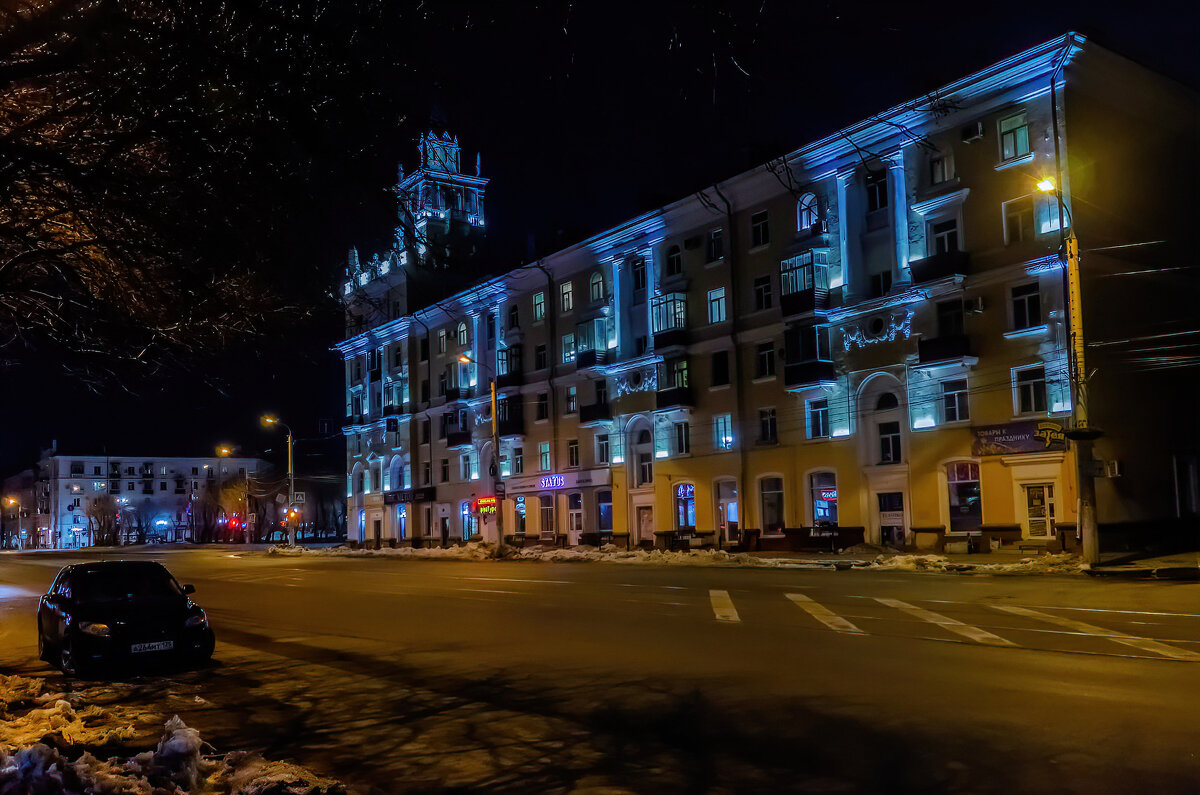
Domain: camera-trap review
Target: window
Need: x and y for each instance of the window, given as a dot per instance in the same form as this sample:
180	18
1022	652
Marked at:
1026	306
575	514
544	456
604	519
443	382
645	471
539	306
442	336
1030	386
514	317
639	274
763	295
954	400
518	460
877	190
602	448
508	360
720	368
813	344
771	500
806	212
540	357
880	283
543	406
674	261
566	297
195	470
818	418
716	305
716	245
469	466
546	506
760	229
445	470
568	348
764	362
673	374
943	236
602	392
573	452
889	442
1014	136
683	439
462	334
804	272
941	169
669	312
767	430
723	432
1018	220
966	508
685	508
596	287
824	498
572	400
950	318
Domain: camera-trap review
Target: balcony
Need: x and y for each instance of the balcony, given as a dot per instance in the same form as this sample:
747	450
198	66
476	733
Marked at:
939	350
671	338
355	419
510	380
594	357
512	426
675	397
804	302
391	411
939	266
801	375
594	413
459	439
454	393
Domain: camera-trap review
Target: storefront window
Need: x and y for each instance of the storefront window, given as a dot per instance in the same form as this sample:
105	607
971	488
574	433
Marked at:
519	510
771	495
575	514
966	508
402	521
685	507
727	508
469	521
547	515
604	521
824	498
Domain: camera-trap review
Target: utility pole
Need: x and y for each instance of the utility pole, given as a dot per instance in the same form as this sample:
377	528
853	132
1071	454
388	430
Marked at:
293	515
494	470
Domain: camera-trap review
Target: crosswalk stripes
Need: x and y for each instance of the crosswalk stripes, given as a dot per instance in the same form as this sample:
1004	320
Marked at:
723	607
1145	644
823	614
953	625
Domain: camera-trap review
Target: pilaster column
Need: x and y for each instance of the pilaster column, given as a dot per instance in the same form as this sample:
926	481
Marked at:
898	200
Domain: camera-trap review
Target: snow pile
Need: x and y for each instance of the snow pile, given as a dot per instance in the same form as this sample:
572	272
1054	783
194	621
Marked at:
470	551
1043	564
44	742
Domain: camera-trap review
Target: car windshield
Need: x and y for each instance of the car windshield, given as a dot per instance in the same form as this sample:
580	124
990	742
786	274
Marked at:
135	584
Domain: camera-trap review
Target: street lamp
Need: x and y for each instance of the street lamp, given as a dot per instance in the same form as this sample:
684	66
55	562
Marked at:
270	420
1081	432
497	484
224	451
10	502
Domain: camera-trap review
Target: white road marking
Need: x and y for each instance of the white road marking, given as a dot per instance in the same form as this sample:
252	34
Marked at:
1145	644
674	587
823	614
723	607
514	579
1083	609
489	590
974	633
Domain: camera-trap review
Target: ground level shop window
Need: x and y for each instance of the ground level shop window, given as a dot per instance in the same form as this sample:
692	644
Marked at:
824	498
966	508
604	508
546	517
685	508
470	522
575	514
771	499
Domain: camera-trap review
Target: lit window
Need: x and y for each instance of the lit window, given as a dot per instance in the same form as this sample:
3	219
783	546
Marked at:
572	400
824	498
539	306
669	312
566	297
568	348
806	212
544	456
723	432
462	334
1014	136
966	508
818	418
596	286
716	305
1029	387
442	340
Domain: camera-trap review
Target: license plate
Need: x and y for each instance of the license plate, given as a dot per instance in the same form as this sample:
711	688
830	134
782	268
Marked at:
162	645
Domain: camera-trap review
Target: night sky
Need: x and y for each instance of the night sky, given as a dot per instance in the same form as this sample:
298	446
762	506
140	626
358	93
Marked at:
586	114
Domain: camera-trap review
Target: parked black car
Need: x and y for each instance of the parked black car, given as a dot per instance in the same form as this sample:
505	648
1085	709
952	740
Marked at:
120	611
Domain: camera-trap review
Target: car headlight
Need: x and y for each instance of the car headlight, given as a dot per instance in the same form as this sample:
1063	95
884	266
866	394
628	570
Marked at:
92	628
197	621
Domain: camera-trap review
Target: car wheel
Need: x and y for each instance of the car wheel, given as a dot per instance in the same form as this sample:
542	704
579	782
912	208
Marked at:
66	659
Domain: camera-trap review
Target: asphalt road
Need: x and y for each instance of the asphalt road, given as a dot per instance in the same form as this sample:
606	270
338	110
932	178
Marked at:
424	676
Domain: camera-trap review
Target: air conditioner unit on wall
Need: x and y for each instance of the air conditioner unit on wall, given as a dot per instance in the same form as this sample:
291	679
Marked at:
972	132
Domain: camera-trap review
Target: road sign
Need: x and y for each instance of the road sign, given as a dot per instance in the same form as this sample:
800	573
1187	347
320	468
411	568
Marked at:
298	498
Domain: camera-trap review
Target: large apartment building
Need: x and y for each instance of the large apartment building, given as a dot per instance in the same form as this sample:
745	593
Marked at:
863	339
55	504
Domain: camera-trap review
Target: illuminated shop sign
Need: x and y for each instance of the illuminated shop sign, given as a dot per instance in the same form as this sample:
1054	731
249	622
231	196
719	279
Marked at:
685	491
1031	436
520	505
552	481
485	505
829	495
564	480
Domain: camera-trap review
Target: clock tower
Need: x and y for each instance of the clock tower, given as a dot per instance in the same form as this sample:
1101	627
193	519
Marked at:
440	207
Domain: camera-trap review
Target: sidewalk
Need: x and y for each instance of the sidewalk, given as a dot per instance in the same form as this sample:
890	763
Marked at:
1138	566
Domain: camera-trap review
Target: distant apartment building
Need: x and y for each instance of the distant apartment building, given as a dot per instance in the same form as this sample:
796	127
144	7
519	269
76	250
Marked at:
155	499
863	339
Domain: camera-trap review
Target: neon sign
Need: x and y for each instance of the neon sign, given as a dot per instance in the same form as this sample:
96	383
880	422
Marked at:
829	495
685	491
485	505
552	481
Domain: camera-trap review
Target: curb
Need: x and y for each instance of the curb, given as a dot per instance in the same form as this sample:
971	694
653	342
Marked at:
1184	573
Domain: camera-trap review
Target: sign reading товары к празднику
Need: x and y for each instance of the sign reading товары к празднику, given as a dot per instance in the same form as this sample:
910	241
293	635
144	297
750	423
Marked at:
1010	438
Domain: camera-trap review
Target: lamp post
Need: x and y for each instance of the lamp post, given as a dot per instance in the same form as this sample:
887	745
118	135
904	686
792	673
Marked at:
494	471
291	512
1082	433
225	451
11	502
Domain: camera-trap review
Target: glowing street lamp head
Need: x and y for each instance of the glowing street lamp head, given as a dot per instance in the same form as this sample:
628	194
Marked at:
224	450
11	500
462	357
269	420
1046	185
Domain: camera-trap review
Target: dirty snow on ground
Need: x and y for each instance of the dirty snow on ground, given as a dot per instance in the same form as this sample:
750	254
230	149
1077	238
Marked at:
47	741
1044	564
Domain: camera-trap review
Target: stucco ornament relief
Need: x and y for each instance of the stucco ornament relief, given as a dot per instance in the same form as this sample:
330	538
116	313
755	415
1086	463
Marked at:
878	328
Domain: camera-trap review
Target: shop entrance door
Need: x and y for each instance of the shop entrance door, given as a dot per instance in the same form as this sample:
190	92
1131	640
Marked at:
645	523
1039	509
891	518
